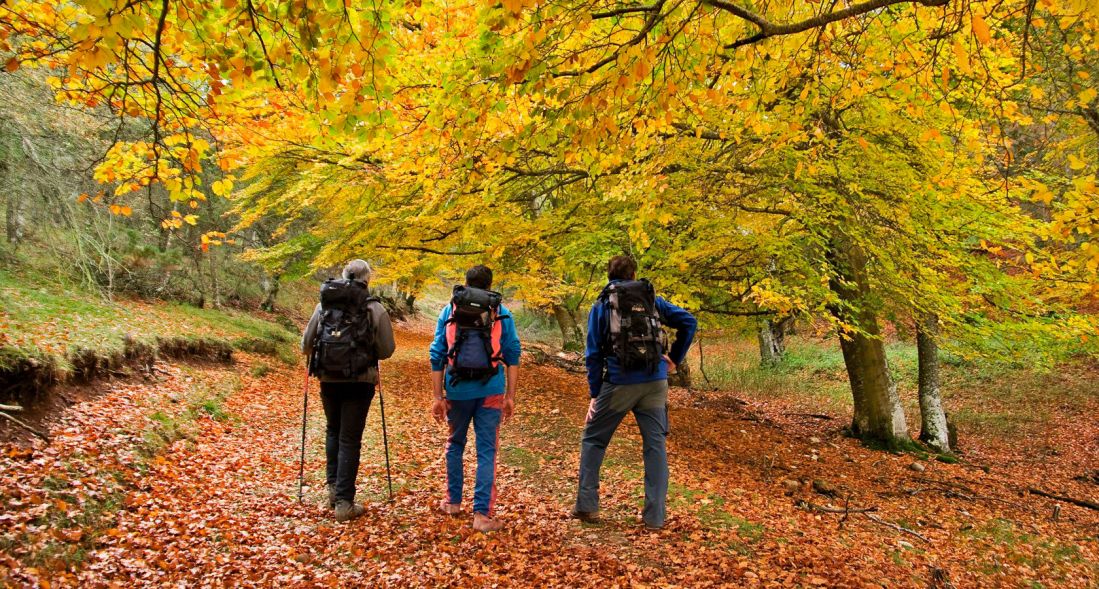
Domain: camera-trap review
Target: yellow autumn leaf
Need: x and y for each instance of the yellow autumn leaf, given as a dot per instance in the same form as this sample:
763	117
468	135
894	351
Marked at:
222	187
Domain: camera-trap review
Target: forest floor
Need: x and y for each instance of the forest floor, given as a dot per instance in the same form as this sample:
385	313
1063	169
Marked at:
189	475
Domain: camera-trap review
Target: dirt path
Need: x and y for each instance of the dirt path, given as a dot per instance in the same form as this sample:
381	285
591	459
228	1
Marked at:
192	479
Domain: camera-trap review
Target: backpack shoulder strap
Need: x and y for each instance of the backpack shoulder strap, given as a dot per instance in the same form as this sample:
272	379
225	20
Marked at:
604	294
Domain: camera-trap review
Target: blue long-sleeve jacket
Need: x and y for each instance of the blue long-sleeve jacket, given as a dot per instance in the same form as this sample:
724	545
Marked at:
602	364
510	349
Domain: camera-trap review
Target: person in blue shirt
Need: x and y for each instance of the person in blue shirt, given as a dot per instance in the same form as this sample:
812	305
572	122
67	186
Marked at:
616	391
486	403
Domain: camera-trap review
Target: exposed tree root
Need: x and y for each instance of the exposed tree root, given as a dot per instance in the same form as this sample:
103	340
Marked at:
25	426
1080	502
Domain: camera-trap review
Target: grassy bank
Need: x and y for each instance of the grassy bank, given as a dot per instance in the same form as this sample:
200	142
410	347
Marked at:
983	398
51	333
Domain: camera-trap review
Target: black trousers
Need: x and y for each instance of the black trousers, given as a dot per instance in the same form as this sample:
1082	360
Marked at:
345	408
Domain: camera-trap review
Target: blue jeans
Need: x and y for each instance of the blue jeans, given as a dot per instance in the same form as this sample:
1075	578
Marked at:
484	413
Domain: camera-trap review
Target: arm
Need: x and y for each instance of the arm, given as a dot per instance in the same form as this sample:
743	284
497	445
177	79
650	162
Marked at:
437	353
685	326
593	355
509	396
439	405
510	347
513	379
437	385
384	345
511	350
310	332
438	349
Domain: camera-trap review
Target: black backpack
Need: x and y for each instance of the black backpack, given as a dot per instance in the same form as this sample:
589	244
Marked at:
344	347
473	334
635	334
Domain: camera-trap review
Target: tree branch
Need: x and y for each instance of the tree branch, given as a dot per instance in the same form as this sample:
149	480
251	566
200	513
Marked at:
428	250
770	29
624	10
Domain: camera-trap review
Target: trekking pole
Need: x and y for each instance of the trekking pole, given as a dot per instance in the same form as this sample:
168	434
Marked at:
385	435
304	416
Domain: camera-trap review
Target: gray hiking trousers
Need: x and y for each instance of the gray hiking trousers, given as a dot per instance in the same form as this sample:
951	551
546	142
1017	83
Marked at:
649	403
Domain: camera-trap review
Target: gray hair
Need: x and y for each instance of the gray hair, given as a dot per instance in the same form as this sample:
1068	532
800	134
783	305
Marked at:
357	270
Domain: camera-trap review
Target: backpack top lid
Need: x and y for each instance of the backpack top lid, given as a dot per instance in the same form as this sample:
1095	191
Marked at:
472	298
640	287
342	291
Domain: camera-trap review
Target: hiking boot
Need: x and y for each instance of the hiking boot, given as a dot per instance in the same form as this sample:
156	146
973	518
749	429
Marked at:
450	508
331	496
346	510
484	523
588	517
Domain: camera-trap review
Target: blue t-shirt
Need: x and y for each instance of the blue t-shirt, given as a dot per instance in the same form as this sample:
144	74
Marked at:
463	390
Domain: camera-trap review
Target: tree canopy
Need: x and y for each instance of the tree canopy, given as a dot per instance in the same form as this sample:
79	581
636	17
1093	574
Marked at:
897	159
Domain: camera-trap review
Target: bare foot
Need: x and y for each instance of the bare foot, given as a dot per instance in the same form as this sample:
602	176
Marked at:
484	523
450	508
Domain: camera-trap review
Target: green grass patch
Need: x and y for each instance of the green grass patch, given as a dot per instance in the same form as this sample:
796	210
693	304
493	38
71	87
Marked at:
1003	539
166	429
521	458
712	512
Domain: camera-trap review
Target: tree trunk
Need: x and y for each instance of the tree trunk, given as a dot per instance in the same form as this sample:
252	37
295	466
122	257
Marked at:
934	430
13	220
681	377
572	337
270	291
878	413
772	342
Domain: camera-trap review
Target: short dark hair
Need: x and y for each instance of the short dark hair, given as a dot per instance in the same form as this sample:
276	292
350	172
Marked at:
479	276
621	268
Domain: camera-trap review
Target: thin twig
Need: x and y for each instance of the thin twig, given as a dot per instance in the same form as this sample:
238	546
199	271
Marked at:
829	509
702	365
813	415
897	527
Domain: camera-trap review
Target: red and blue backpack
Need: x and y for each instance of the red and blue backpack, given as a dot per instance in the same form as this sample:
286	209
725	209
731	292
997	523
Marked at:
473	334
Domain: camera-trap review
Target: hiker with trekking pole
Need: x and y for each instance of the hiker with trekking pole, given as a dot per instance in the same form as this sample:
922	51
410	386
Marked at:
347	335
474	366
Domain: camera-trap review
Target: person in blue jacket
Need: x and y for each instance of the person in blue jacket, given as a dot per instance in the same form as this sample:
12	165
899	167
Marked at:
486	403
615	392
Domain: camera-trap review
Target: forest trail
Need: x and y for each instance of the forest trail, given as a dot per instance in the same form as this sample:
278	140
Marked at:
192	478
